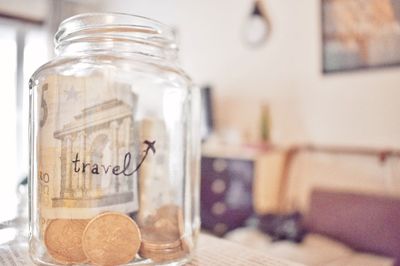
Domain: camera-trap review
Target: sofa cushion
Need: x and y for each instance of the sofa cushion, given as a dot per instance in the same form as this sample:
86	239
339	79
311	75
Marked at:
364	222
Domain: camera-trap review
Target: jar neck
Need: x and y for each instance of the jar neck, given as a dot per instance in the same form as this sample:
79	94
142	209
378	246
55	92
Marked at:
105	33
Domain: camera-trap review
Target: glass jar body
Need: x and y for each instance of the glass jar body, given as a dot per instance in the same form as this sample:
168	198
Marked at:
113	136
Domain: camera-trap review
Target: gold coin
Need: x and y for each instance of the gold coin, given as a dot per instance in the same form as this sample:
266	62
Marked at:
152	240
181	224
162	235
162	256
168	211
160	244
185	246
167	221
63	240
111	238
159	234
167	224
159	251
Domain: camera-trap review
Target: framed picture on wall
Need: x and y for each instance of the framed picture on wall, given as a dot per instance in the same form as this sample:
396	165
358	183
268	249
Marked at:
360	34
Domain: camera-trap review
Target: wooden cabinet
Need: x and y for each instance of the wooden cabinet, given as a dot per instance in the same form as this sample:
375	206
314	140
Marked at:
226	193
233	188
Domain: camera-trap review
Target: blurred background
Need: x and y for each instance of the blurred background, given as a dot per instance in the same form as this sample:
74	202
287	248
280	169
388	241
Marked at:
300	116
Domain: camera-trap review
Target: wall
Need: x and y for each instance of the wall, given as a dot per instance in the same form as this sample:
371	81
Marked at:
359	108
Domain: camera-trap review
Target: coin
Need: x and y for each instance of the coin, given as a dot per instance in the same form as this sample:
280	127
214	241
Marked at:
168	224
162	255
167	218
169	210
185	245
181	225
162	229
63	240
160	245
111	238
162	235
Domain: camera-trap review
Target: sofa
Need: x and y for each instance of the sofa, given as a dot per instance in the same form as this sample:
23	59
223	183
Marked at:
342	229
350	204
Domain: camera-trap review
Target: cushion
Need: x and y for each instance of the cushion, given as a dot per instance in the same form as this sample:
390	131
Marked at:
282	226
364	222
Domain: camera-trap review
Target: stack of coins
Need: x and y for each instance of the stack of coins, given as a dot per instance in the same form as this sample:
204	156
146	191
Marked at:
162	235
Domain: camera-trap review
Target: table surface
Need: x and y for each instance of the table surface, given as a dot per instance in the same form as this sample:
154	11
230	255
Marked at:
220	252
211	251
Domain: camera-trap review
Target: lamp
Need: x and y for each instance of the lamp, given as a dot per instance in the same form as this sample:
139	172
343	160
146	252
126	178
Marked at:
257	27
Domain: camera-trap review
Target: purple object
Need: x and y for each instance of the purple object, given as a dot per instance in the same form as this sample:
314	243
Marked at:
226	193
366	223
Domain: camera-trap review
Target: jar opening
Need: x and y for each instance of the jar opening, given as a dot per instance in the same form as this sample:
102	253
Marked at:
101	30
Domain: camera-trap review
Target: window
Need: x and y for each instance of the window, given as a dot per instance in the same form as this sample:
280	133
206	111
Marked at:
23	48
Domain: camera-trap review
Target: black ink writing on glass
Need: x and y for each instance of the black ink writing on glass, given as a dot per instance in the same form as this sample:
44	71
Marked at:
95	168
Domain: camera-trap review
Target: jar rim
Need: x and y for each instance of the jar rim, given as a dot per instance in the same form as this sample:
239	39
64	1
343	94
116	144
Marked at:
146	28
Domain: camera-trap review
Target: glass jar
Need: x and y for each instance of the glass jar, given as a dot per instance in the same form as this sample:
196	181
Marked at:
114	159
